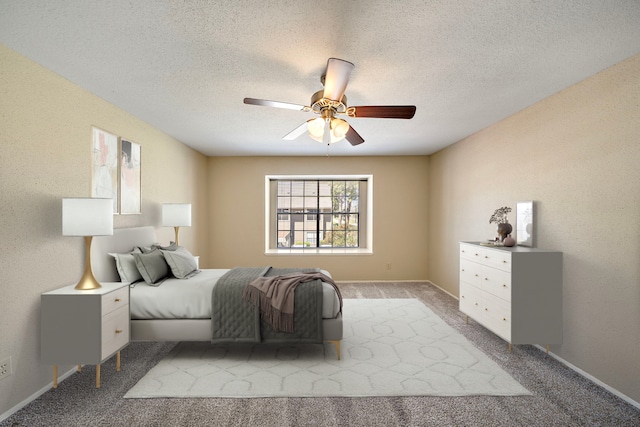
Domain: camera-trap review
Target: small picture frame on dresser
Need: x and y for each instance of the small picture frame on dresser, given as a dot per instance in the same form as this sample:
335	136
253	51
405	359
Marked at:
525	224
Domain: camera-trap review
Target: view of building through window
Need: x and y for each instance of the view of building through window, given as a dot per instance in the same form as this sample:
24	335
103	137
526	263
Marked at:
318	213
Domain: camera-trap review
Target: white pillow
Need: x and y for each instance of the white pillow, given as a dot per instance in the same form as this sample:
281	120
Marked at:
126	265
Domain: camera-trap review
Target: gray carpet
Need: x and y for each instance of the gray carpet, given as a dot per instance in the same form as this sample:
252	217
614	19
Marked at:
560	396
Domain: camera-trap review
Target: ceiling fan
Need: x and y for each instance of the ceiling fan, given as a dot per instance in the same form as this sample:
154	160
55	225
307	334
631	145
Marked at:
330	102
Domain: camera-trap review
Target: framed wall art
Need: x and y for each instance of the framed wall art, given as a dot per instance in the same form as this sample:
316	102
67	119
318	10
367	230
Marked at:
104	166
525	223
130	174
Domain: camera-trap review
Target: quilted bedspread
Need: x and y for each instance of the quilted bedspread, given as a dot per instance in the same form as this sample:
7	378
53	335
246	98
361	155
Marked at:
236	320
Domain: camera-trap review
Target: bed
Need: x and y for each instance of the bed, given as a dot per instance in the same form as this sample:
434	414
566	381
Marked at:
179	309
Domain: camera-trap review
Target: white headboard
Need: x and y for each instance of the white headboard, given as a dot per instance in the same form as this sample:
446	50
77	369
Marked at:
122	241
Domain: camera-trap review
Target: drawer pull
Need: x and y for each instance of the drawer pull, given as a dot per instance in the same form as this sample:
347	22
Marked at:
504	318
462	269
476	275
486	309
118	300
475	304
486	257
118	331
504	285
504	262
486	278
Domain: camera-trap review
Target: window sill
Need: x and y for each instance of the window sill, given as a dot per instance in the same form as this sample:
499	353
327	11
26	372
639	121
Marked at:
317	252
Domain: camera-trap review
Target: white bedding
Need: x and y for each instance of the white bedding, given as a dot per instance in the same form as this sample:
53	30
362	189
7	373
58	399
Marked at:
191	298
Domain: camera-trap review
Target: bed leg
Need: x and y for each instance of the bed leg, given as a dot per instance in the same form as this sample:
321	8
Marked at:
337	344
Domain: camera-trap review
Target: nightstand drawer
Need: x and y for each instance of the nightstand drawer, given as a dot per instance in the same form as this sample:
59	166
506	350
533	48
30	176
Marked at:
115	331
114	300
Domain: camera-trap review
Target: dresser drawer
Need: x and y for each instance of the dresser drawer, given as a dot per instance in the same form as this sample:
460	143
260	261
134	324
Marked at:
115	331
496	282
470	300
114	300
496	315
470	272
496	258
468	251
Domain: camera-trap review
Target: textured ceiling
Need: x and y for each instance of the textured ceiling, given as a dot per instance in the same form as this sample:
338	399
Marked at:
185	66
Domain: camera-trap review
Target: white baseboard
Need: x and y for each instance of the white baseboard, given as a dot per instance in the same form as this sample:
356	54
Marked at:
35	395
592	378
444	290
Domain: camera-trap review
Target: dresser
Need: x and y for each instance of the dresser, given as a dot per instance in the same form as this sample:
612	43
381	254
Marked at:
515	292
84	327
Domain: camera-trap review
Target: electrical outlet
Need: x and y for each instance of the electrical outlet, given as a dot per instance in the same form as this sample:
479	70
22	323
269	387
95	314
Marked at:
5	368
388	266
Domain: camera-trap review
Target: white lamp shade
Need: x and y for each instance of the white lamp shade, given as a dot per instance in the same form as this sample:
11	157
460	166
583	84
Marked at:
176	215
87	217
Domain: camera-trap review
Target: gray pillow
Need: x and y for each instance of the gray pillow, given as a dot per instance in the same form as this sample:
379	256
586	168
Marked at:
152	267
172	246
183	264
126	265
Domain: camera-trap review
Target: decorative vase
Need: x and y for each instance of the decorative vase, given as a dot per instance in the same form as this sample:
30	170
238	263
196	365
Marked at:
509	241
504	229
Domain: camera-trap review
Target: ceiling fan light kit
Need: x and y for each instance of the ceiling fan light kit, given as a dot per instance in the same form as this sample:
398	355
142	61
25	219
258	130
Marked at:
329	102
337	132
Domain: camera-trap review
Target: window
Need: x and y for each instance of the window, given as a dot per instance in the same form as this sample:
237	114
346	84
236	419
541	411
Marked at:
318	214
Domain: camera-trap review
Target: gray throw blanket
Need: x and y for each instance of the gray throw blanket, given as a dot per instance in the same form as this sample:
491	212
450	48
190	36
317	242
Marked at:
275	297
236	320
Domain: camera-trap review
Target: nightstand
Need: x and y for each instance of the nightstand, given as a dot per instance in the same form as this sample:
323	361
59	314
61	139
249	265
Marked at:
84	327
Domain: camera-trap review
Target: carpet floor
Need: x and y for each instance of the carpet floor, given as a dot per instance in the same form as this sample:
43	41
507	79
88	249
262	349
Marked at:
560	397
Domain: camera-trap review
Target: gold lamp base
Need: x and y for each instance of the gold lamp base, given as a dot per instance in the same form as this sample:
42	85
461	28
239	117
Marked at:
87	281
177	229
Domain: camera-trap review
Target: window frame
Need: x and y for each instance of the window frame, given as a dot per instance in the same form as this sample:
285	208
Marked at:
270	216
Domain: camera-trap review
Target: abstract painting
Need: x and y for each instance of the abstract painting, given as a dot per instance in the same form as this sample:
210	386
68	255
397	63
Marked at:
104	166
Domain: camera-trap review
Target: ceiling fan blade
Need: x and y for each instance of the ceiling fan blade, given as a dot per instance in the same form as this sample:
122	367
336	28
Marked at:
353	137
276	104
296	132
383	111
336	78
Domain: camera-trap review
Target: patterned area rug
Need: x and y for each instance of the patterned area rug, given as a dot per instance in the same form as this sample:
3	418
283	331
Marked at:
391	347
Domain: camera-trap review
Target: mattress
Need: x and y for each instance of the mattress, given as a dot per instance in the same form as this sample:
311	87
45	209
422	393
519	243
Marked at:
191	298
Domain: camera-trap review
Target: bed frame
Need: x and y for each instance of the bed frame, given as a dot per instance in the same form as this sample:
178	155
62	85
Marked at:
104	269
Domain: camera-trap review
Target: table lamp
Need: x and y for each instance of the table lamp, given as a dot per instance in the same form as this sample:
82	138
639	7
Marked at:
176	215
87	217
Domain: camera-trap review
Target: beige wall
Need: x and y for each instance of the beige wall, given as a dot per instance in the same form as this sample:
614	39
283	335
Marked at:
45	154
236	198
577	155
